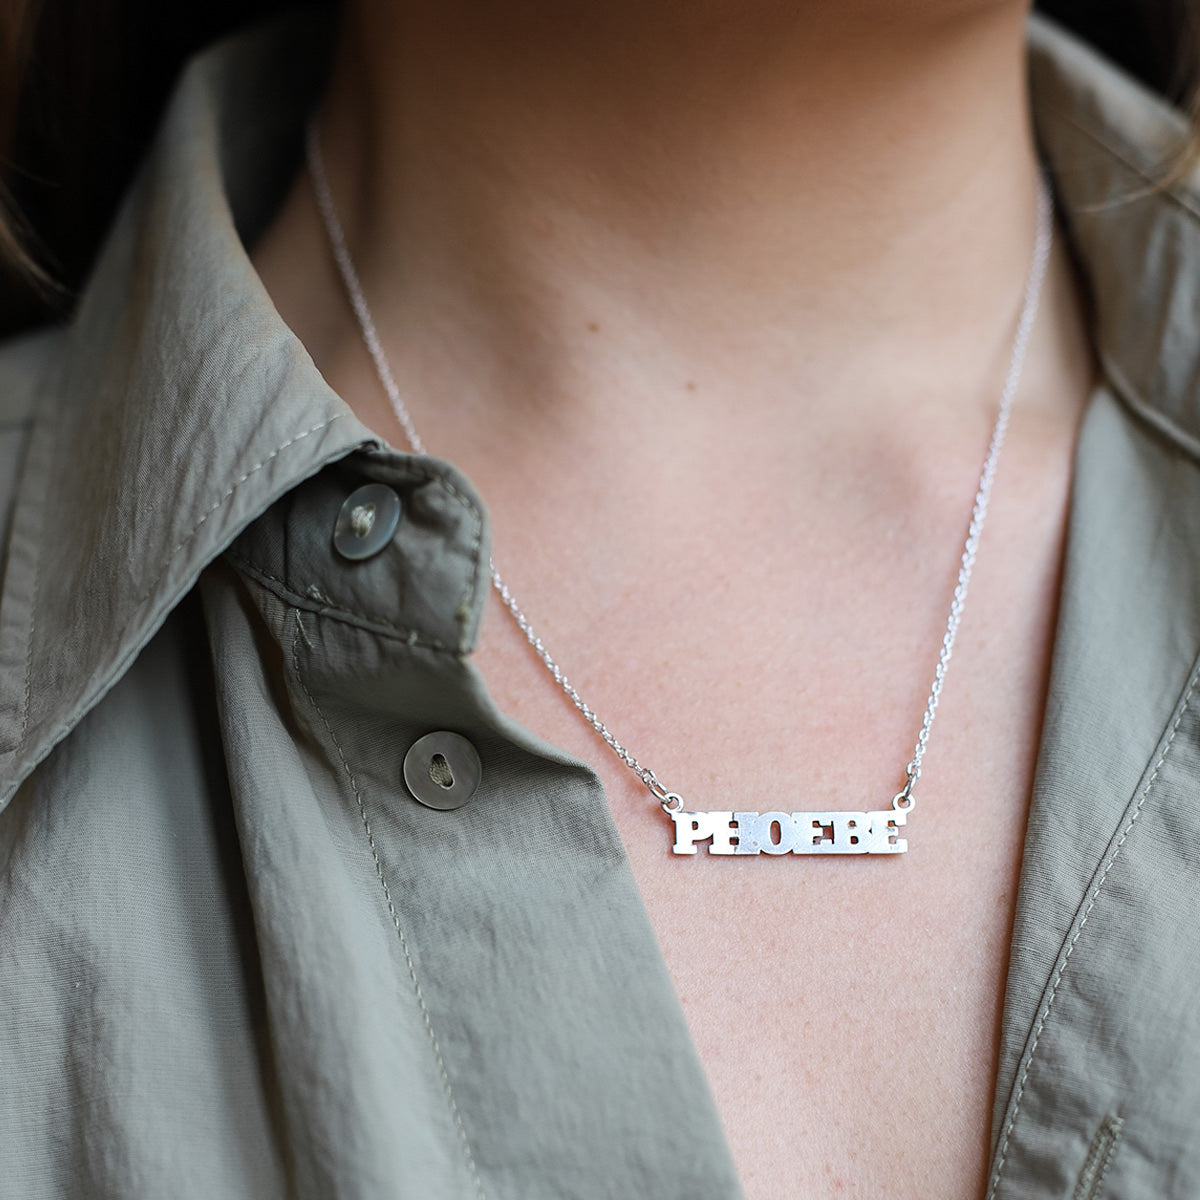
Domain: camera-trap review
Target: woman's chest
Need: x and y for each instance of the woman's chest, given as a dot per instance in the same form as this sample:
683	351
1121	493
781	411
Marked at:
846	1009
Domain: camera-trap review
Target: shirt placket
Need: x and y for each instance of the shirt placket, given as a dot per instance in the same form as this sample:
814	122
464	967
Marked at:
545	1034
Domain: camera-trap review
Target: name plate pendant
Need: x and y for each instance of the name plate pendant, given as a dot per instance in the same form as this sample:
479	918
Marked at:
790	833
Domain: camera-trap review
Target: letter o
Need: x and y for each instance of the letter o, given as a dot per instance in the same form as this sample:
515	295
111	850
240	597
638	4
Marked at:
787	832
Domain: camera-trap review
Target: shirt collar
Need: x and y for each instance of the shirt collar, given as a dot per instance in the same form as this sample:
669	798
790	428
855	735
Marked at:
178	406
1106	140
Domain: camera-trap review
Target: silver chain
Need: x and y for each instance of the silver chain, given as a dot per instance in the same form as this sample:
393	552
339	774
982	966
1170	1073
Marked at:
672	801
1033	290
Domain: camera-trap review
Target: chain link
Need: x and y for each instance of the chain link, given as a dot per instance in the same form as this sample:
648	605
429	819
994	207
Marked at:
1033	288
672	801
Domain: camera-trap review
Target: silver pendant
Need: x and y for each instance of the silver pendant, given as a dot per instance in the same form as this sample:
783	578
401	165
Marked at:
790	833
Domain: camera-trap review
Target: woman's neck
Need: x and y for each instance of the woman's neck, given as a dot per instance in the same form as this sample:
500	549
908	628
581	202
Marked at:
704	186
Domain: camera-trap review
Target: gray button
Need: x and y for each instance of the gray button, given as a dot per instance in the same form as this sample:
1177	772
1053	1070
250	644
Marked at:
442	770
366	522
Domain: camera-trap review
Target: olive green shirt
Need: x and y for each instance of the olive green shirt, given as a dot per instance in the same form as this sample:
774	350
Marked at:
238	959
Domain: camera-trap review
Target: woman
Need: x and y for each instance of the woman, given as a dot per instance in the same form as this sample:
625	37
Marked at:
716	309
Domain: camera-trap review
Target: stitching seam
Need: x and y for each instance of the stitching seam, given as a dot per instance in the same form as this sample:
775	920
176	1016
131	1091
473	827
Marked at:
141	600
1062	966
1099	1158
33	626
35	590
412	637
387	895
233	487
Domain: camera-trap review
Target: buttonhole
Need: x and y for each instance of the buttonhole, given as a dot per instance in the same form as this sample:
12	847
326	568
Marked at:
362	517
1099	1157
439	771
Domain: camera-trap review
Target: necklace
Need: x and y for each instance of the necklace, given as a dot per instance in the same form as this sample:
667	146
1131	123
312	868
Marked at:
730	831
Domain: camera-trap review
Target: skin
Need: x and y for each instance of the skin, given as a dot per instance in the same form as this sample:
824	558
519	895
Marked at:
713	303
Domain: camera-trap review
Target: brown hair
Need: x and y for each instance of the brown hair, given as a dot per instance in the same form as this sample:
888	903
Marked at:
16	29
1156	40
82	83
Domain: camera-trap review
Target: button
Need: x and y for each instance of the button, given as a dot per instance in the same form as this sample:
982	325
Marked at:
366	522
442	770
